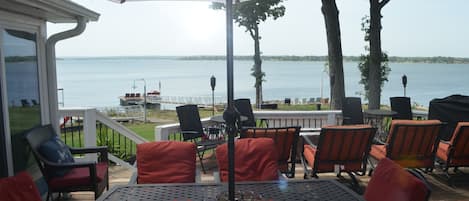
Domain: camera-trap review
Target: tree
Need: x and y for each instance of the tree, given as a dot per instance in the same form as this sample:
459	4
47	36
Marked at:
336	66
364	64
249	14
376	55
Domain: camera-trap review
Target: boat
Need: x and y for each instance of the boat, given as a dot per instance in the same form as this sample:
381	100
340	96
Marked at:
153	99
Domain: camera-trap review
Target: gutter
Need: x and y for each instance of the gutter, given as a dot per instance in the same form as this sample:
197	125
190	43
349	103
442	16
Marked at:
52	71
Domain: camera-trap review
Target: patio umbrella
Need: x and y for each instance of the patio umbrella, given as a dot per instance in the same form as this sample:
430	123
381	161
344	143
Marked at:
230	115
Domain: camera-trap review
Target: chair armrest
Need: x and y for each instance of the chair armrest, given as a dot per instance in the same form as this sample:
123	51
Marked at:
445	142
54	165
102	150
133	178
189	132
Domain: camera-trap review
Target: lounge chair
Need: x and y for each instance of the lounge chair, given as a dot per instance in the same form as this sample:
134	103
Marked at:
455	153
340	149
286	140
410	143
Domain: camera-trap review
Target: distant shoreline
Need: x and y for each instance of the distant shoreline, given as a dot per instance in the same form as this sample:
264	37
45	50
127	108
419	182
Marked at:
392	59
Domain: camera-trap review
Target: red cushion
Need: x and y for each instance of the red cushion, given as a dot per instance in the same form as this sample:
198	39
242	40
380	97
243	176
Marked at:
255	160
390	182
378	151
19	188
324	166
442	151
79	177
283	140
166	162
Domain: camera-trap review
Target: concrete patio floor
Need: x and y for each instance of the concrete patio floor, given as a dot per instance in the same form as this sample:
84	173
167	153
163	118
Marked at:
441	190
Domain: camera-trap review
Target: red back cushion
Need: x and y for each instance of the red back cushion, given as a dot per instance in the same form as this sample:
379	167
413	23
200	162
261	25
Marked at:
166	162
391	182
283	141
19	188
255	160
413	138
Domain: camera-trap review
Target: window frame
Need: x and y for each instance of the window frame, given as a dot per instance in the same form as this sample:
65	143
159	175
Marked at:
38	27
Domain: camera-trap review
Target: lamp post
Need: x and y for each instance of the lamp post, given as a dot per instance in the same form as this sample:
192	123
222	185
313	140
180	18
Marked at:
404	83
144	98
213	82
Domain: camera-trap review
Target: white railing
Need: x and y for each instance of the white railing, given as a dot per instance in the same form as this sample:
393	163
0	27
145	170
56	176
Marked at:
90	117
308	119
305	119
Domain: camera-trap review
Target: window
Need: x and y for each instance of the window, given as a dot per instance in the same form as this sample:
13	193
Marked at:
22	91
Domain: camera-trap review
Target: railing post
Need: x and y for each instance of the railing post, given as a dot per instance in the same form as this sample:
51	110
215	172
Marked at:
331	119
161	134
89	129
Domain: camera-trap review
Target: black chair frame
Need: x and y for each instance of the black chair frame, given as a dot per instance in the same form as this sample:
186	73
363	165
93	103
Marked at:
36	136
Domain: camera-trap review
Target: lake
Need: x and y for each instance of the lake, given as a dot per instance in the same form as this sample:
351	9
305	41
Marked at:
98	82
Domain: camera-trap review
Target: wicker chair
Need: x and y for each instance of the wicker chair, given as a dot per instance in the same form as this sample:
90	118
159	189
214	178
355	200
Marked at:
75	176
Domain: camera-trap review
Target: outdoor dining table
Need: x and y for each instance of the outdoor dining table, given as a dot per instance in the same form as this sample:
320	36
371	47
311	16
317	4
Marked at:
315	189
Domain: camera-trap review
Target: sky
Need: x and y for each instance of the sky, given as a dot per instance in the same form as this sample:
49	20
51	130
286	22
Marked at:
166	28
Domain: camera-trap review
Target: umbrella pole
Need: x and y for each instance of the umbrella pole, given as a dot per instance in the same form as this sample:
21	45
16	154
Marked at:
230	115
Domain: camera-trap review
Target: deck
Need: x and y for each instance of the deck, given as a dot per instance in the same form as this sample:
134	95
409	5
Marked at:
441	190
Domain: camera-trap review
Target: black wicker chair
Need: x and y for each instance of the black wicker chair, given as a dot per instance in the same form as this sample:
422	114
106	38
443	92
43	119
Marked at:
78	176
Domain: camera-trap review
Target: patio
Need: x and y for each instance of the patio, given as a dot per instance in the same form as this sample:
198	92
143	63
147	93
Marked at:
441	190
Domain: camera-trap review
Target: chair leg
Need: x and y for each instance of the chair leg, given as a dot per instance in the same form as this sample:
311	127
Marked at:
201	158
355	183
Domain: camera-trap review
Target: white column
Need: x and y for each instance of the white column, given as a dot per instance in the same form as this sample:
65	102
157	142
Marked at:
89	129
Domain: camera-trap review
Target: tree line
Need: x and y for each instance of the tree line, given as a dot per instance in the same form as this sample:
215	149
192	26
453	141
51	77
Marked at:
392	59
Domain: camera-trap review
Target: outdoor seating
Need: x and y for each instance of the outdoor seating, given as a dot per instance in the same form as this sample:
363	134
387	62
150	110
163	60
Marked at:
61	172
455	153
340	149
410	143
352	111
192	130
243	105
285	139
402	106
245	109
391	182
20	187
255	160
166	162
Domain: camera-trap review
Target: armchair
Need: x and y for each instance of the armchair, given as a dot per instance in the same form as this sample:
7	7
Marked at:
61	172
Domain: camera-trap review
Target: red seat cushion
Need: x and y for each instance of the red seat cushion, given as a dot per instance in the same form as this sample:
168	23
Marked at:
255	160
166	162
390	182
19	188
378	151
442	151
79	176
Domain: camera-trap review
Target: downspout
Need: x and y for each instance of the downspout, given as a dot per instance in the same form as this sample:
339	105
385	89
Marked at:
52	71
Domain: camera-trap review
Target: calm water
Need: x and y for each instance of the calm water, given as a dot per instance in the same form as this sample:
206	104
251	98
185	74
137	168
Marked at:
99	82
